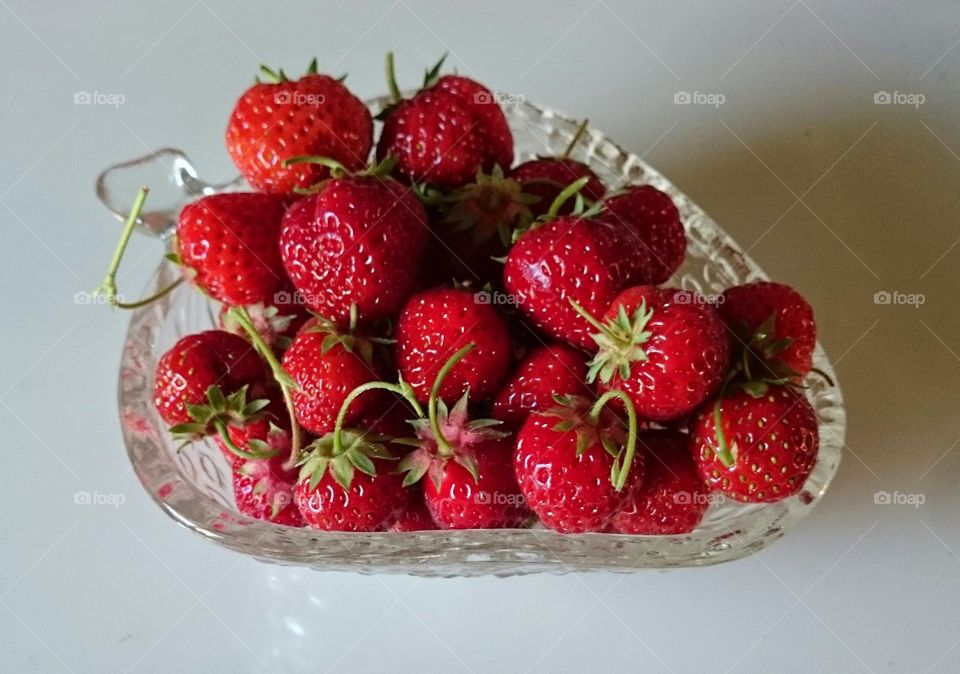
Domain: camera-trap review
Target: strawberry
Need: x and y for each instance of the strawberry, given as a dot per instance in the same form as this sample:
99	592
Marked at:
672	498
326	366
198	362
543	373
570	258
436	323
776	323
276	120
264	490
277	320
264	432
357	241
452	128
470	481
766	448
573	467
415	517
666	348
653	223
546	177
227	245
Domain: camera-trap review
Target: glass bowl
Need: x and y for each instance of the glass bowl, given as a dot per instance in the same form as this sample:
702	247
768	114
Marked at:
194	486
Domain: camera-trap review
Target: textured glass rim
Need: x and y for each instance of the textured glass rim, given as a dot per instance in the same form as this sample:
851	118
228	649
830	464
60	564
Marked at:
472	552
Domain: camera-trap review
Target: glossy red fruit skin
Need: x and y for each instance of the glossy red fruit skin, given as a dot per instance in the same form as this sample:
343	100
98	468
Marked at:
197	362
655	229
372	503
776	438
315	115
415	517
493	501
434	325
358	241
325	380
257	485
556	369
754	303
227	245
672	498
547	177
688	353
586	260
569	493
446	133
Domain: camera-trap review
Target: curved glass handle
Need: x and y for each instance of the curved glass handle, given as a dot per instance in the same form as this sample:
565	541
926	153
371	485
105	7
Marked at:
173	183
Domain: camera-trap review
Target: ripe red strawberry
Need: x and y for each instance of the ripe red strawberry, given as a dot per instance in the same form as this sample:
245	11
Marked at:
434	325
415	517
470	482
277	320
326	366
227	243
266	431
784	320
666	348
546	177
264	490
280	119
672	498
198	362
358	241
653	222
545	372
582	259
452	128
572	469
767	449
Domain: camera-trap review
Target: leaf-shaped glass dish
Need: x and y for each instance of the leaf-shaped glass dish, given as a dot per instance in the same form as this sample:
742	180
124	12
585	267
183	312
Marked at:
194	487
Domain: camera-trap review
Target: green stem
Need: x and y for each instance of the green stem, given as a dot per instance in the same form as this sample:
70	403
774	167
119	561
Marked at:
108	286
570	190
147	300
336	168
582	129
631	430
279	374
357	392
587	316
395	94
722	450
229	444
442	444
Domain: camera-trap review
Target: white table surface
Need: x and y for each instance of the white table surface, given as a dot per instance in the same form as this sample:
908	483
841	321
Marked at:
829	191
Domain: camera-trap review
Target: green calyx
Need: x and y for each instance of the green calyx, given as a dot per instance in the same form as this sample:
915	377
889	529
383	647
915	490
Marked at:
430	77
491	206
218	413
581	208
619	342
337	170
271	76
593	426
350	340
355	451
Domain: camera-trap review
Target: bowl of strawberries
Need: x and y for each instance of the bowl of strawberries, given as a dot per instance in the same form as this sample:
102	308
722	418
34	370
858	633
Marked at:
451	332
